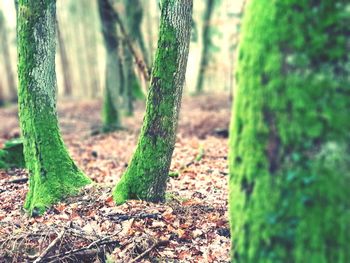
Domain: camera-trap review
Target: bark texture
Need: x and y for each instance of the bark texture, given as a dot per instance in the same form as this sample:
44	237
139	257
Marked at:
147	173
113	83
53	174
206	39
289	138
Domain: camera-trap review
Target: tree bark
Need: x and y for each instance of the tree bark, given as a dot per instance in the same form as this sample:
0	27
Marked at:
289	138
113	84
147	173
207	42
7	60
53	174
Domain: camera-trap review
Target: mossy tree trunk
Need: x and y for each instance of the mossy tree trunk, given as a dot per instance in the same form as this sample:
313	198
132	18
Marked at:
207	42
2	97
53	174
113	83
147	173
289	144
7	59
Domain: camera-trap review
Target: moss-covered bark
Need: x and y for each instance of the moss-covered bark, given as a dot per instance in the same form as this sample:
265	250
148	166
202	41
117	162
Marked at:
11	156
147	173
207	42
53	174
113	83
289	139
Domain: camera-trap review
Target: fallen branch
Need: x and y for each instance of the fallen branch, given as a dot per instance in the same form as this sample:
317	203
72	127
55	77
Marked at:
147	251
42	256
18	180
91	246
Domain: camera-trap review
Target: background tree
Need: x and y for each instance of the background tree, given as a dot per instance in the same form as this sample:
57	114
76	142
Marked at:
207	42
53	174
147	173
289	145
113	83
7	59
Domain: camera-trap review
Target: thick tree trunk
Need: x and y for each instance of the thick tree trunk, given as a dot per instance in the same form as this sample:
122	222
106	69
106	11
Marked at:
7	60
146	176
289	145
111	114
53	174
66	69
207	42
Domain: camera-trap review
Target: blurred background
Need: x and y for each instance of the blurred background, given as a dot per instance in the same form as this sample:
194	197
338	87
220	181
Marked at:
80	60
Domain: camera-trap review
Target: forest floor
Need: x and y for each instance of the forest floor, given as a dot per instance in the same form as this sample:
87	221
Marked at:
191	226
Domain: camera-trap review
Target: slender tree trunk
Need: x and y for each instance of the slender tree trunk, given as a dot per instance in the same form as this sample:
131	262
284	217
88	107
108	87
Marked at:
89	37
289	138
7	60
111	114
207	42
53	174
147	173
66	69
2	97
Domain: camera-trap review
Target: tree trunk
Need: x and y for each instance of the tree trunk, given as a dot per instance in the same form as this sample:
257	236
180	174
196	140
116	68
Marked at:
111	114
2	97
7	60
207	42
289	145
66	70
147	173
53	174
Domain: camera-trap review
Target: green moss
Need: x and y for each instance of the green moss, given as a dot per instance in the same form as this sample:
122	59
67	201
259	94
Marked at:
11	156
289	154
146	176
53	174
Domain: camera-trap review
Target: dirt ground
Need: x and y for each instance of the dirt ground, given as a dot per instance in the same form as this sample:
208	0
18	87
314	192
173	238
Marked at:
191	226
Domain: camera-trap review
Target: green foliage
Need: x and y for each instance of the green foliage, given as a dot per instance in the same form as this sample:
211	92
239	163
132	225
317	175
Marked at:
11	156
289	154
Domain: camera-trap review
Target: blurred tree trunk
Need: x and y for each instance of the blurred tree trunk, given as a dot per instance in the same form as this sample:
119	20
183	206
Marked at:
133	19
289	139
113	84
89	38
66	69
147	173
207	42
7	60
53	174
2	97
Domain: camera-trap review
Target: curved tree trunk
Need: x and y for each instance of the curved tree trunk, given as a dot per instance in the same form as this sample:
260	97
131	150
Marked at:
53	174
206	39
148	170
289	145
113	83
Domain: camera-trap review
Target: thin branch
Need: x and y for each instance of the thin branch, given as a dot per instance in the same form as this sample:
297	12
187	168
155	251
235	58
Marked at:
147	251
42	256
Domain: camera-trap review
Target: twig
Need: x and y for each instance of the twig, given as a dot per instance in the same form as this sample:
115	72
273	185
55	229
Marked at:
42	256
147	251
99	242
18	180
